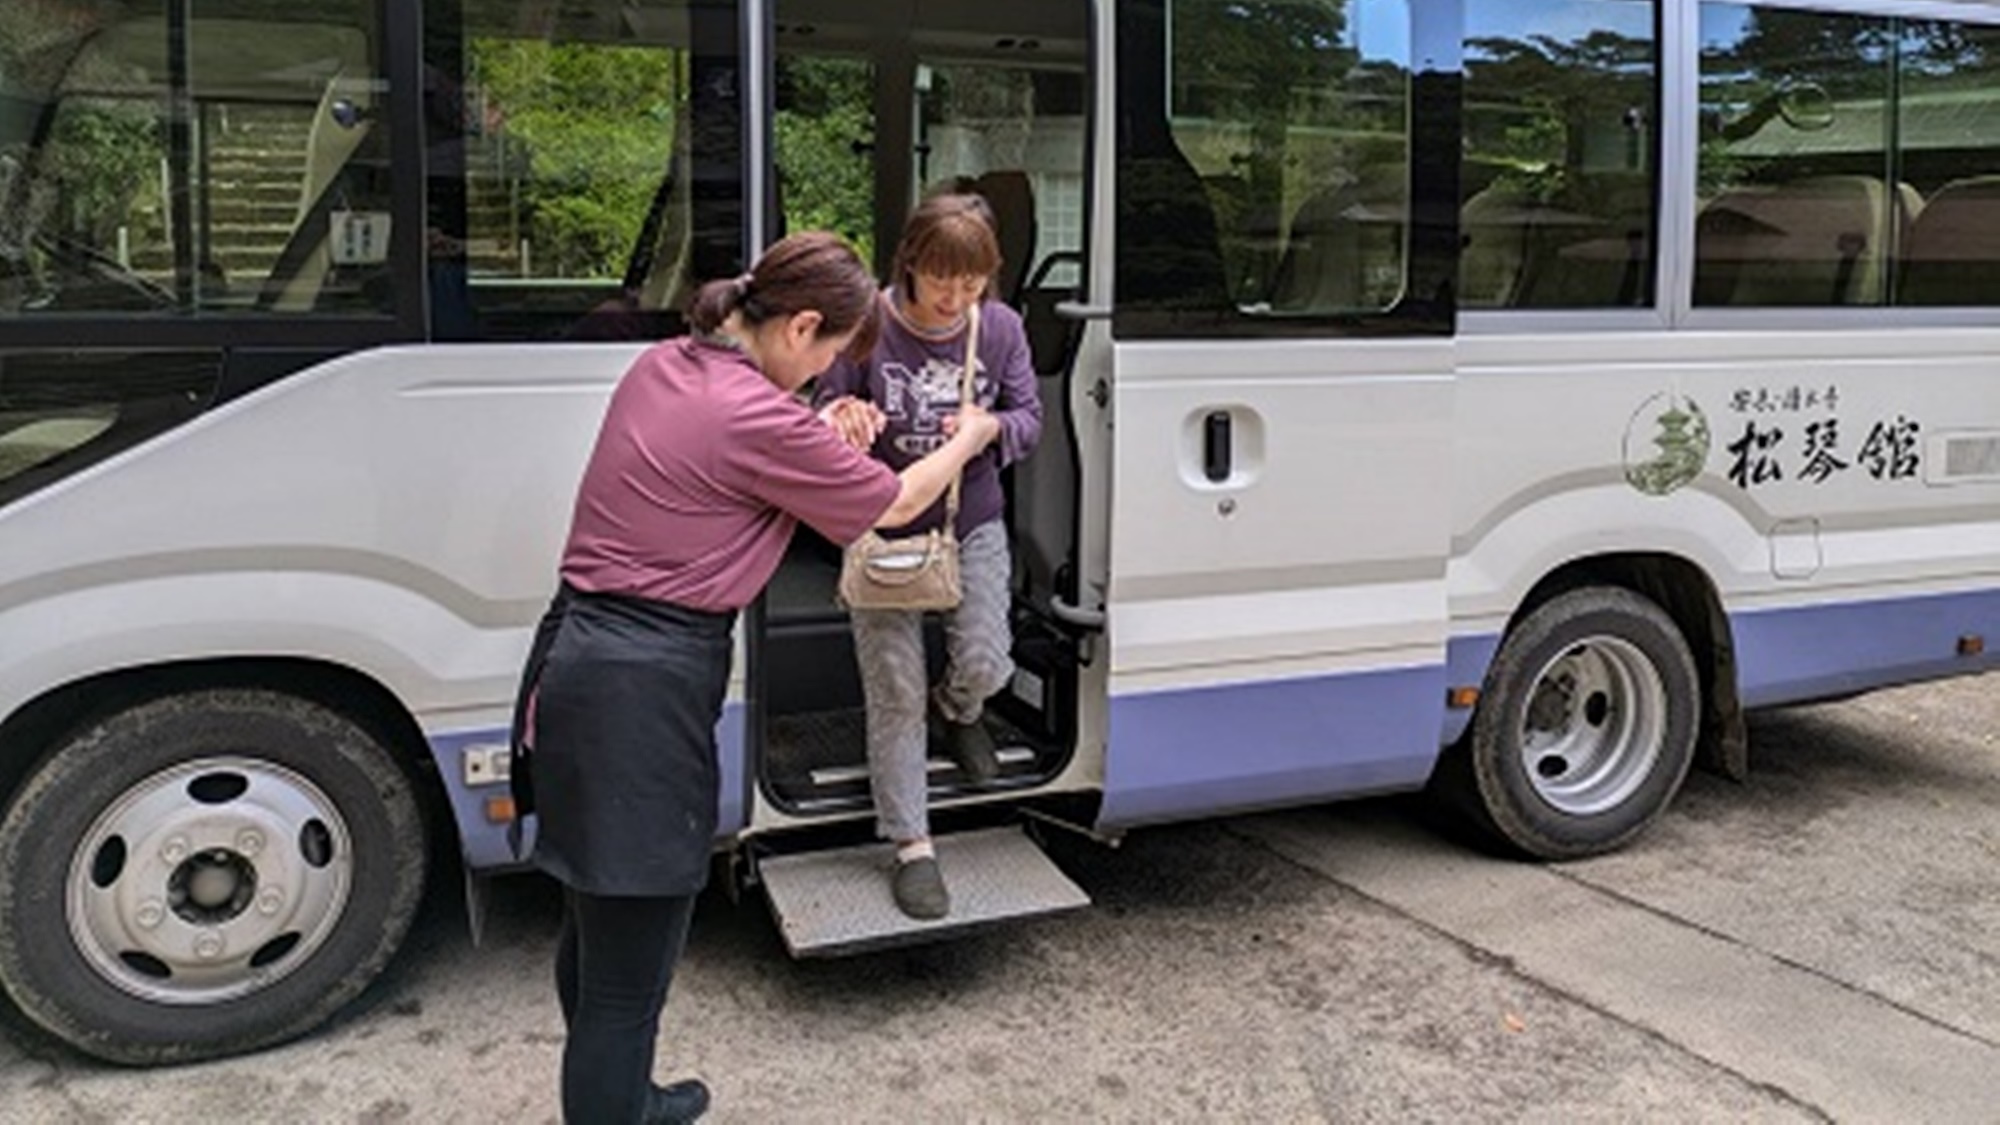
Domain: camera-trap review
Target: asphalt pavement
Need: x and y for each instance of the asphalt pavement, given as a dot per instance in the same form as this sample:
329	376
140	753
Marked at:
1820	943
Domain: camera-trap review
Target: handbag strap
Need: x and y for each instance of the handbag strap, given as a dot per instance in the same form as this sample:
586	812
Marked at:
964	396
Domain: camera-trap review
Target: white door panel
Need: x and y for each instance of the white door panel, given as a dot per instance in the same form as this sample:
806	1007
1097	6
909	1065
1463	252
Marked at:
1329	534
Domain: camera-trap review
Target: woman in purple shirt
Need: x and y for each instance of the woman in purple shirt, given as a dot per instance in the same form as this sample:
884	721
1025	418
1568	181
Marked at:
902	402
705	463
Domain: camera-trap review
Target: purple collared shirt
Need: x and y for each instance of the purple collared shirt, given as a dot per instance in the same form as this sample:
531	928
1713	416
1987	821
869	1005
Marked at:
702	469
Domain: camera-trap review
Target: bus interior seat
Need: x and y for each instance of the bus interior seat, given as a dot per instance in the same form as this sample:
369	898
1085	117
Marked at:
332	148
1493	246
658	272
1011	195
1600	257
1170	245
1253	233
1340	238
40	439
1813	241
1043	486
1951	255
1522	253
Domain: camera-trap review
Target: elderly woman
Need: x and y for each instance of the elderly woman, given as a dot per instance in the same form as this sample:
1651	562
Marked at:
903	402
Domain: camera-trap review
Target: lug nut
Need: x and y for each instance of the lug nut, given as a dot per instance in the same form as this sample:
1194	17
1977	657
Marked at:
151	913
175	849
208	946
269	902
249	842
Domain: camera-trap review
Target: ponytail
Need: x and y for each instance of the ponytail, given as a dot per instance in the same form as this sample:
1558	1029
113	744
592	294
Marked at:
812	270
714	302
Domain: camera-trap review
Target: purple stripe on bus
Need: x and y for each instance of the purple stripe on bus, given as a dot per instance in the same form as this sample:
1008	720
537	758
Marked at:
1465	662
1215	750
1817	652
1234	748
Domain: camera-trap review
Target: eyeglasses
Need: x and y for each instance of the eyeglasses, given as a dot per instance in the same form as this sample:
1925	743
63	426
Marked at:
969	287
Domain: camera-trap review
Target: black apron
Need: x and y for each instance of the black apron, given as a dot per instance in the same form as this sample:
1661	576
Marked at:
614	742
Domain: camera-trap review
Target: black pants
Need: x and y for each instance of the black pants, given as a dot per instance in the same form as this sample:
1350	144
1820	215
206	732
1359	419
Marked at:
613	966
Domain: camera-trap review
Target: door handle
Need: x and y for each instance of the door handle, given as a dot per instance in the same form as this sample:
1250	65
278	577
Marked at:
1216	456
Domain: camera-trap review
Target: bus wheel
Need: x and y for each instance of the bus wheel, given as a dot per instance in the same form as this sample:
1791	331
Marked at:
1585	728
203	875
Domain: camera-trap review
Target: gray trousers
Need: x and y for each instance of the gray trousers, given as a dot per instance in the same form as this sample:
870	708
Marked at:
889	646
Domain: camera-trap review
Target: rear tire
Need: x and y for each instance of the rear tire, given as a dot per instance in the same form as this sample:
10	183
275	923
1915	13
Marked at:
204	875
1585	728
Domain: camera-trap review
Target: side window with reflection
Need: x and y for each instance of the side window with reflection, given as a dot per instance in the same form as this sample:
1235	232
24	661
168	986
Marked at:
1560	171
584	165
1797	188
1263	163
1847	160
248	175
1948	151
62	411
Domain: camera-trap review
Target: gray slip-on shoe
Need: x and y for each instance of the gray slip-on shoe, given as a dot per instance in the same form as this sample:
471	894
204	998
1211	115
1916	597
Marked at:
918	886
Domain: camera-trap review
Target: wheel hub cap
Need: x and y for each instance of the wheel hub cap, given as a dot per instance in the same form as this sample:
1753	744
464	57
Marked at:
209	880
1594	725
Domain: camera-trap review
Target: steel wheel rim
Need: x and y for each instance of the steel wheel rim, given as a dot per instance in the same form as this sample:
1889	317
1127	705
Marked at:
1594	726
209	880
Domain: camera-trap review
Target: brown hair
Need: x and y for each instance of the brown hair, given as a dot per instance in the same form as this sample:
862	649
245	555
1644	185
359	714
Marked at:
950	235
810	271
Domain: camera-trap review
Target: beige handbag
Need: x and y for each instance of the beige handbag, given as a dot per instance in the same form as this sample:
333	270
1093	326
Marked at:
918	572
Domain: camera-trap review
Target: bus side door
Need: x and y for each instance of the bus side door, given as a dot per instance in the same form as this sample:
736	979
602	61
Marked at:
1281	397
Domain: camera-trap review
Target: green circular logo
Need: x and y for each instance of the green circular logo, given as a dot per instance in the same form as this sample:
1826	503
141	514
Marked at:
1666	444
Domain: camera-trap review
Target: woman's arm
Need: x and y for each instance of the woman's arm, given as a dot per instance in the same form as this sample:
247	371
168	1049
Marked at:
1016	403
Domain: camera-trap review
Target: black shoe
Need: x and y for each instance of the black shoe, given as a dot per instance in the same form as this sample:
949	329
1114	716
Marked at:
918	886
677	1103
972	749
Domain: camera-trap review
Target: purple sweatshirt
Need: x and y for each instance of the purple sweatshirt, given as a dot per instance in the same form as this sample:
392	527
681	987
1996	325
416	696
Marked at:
916	381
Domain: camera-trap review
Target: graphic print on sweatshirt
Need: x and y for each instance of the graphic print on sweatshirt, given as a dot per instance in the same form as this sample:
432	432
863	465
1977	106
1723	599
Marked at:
918	401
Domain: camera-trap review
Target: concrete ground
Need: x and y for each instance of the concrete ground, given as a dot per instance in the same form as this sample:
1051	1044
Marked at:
1821	943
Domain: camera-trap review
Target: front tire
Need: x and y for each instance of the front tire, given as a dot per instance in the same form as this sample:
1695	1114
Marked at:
1585	728
203	875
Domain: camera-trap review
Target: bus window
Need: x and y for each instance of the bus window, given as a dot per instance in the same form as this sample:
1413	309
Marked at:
997	114
823	144
1560	172
1263	161
1847	160
993	108
61	411
1798	186
1015	136
582	166
219	161
1948	143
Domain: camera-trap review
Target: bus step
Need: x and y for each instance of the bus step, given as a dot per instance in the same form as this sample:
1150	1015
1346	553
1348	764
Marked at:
834	903
827	776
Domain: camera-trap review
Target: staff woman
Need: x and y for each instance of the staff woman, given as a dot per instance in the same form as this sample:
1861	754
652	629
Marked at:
705	463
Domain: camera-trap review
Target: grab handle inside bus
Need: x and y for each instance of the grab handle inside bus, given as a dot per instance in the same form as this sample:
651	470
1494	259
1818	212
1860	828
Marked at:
1078	310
